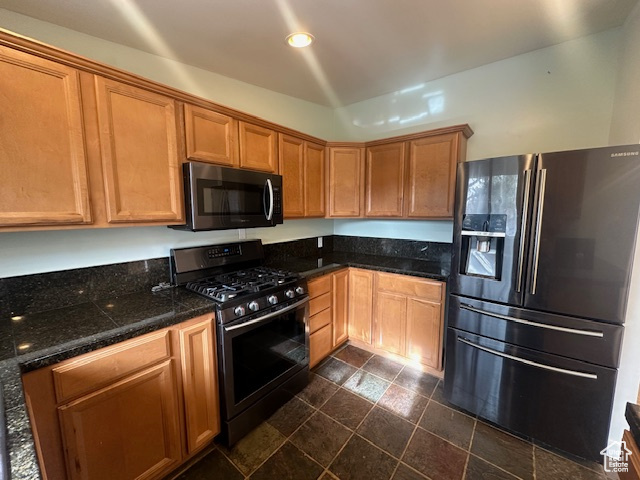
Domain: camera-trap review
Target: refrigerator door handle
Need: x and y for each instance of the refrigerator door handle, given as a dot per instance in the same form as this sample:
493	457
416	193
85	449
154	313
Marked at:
576	331
541	182
574	373
523	228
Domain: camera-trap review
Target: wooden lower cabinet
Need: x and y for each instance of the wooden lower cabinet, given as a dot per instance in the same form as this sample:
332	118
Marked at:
152	409
390	328
361	305
328	314
102	431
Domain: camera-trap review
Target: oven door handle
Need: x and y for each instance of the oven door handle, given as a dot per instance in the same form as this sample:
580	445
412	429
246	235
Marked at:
268	316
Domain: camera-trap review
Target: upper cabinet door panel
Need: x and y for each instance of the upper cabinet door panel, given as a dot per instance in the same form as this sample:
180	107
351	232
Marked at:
345	182
43	165
139	154
385	180
292	171
432	176
210	136
314	184
258	148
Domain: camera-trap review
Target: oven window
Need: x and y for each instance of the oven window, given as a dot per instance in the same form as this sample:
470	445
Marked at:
263	354
229	198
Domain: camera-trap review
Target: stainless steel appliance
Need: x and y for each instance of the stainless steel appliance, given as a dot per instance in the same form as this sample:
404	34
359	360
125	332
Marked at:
219	198
262	329
543	249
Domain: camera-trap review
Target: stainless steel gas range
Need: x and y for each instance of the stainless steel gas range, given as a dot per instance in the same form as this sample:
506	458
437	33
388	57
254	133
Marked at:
262	329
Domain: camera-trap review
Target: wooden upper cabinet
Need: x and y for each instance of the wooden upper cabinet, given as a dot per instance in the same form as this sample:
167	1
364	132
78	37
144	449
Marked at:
127	430
340	304
385	180
346	181
291	158
210	136
43	163
258	149
432	176
200	382
314	180
140	164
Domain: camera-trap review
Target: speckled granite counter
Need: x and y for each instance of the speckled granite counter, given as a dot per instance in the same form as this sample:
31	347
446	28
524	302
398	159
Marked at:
319	265
39	339
632	414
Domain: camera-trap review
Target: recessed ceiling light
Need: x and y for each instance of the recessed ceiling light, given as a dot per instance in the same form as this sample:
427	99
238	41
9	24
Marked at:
300	39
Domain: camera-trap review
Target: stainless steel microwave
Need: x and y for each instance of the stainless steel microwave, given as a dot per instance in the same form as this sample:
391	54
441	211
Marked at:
220	198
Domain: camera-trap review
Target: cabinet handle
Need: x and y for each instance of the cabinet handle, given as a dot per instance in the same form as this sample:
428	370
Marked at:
591	376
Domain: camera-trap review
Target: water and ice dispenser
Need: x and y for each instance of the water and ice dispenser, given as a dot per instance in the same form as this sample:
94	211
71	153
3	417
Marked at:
483	245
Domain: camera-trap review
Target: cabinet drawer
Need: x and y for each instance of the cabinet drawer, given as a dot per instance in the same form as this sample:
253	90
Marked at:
318	286
97	369
425	289
316	305
319	320
319	345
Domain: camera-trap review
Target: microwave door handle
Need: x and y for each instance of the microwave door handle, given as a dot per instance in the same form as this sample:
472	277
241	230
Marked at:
269	188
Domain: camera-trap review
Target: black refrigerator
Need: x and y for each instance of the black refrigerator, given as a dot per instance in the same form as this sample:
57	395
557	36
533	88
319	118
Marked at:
540	274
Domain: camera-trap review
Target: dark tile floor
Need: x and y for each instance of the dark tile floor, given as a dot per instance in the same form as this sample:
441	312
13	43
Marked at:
365	417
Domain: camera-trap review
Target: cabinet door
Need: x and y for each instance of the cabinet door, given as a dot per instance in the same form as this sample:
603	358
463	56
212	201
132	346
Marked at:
210	136
432	176
346	181
43	165
314	186
360	304
258	148
141	169
319	345
200	383
340	291
385	180
129	430
291	157
424	332
390	322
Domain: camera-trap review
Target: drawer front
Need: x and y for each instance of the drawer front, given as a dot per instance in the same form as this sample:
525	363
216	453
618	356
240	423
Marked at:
411	286
97	369
316	322
316	305
319	345
319	286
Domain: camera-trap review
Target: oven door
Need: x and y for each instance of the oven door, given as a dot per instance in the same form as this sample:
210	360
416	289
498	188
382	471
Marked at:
260	354
223	198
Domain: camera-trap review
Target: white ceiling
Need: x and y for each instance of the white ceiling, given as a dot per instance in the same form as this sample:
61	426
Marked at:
363	48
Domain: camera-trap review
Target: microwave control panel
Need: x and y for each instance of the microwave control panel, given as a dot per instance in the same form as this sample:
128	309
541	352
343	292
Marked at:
277	202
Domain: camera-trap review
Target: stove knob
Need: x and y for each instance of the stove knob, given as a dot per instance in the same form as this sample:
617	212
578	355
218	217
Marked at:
239	311
253	306
299	290
290	293
272	299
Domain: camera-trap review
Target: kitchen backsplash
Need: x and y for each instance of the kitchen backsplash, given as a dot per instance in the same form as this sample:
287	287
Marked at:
46	291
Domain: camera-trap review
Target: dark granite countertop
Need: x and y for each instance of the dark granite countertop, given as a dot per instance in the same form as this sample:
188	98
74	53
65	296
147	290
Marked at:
38	339
319	265
632	414
32	336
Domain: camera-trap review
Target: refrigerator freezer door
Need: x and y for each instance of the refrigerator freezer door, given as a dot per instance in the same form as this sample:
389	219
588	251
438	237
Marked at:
490	228
576	338
583	232
558	401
